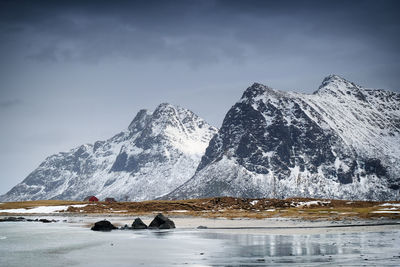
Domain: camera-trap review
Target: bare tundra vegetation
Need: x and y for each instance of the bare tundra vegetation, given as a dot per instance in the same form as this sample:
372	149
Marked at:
230	207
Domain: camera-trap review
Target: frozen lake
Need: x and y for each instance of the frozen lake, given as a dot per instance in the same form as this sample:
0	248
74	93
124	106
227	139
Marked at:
63	244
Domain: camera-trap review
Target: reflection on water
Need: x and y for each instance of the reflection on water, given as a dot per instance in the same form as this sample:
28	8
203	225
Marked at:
348	248
29	244
289	245
160	234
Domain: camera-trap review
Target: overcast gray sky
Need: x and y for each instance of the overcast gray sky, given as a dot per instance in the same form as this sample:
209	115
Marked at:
73	72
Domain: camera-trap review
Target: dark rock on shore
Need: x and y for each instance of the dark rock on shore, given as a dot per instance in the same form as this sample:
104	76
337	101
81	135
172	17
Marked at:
138	224
13	219
161	222
22	219
125	227
103	226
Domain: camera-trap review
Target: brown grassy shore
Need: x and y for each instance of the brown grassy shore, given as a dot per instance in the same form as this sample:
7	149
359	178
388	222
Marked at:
229	207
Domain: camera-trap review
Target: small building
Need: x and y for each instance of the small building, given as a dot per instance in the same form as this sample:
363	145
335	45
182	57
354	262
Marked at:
91	199
110	200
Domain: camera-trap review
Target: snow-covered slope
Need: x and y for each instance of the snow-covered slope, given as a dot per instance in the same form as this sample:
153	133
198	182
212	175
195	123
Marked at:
343	141
158	152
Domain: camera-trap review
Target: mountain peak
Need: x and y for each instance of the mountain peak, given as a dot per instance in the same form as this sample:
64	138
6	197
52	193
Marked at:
139	122
257	89
335	83
165	110
165	106
333	79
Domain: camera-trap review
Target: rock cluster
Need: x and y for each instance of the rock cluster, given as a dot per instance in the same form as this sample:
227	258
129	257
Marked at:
159	222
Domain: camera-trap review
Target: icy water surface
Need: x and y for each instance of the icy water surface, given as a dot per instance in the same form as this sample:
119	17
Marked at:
62	244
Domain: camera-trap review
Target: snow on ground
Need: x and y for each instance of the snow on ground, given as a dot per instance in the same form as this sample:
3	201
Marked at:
386	211
309	203
390	204
42	209
254	202
391	208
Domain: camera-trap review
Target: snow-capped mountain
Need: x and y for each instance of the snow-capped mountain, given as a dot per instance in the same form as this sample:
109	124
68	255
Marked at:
343	141
158	152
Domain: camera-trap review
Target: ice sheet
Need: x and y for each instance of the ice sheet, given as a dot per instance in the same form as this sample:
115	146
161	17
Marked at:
60	244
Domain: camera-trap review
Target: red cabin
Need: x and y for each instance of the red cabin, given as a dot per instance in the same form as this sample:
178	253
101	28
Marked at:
91	199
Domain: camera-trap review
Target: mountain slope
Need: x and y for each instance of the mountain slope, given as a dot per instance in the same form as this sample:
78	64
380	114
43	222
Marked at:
158	152
343	141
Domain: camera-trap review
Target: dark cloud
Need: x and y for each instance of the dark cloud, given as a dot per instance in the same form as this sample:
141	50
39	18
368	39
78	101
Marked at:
198	32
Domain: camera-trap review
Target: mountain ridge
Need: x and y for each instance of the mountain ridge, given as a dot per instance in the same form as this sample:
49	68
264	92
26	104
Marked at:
342	141
159	148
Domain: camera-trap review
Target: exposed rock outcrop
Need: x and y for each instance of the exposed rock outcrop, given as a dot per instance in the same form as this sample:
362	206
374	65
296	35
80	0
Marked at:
138	224
104	226
161	222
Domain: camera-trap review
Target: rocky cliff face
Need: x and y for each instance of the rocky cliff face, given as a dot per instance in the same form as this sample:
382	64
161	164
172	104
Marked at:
343	141
158	152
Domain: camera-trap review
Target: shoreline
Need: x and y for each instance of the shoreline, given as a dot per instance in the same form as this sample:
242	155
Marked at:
266	226
224	214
